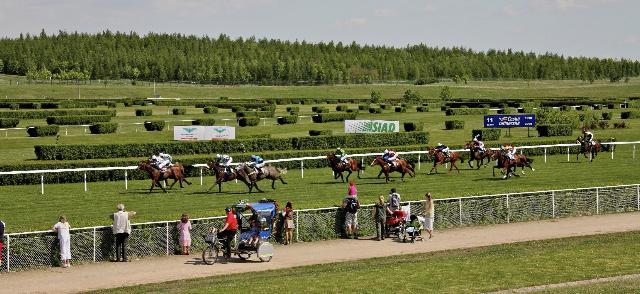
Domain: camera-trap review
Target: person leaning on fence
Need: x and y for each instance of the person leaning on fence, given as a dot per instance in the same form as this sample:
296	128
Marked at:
64	237
289	225
121	230
350	204
429	214
380	210
394	200
184	228
228	232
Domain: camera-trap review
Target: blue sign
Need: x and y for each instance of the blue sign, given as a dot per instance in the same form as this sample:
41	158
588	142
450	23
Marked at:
509	120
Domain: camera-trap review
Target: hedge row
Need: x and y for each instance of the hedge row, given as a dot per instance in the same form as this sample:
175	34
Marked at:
327	117
204	122
554	130
179	111
293	109
422	109
248	121
287	119
210	110
487	134
630	114
42	114
154	125
47	105
254	114
104	128
320	133
9	122
43	131
454	124
77	119
144	112
413	126
75	152
467	111
232	105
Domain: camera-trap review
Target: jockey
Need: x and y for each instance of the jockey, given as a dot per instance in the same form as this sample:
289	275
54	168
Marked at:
509	151
479	144
588	137
390	156
342	155
444	149
225	161
163	160
257	163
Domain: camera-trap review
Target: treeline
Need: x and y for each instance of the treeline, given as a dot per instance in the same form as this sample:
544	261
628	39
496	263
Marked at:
221	60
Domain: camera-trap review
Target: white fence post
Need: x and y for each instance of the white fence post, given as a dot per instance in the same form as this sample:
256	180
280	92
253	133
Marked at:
460	209
94	244
167	226
85	181
568	154
612	147
200	176
302	169
597	201
634	151
126	180
508	211
8	253
418	161
545	155
362	163
553	204
42	184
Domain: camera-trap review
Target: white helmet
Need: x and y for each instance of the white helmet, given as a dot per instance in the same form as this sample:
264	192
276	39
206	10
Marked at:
218	155
386	151
440	144
153	157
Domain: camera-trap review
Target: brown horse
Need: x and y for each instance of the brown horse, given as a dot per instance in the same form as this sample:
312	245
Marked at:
223	176
440	158
175	172
477	155
588	149
252	176
402	166
339	167
509	166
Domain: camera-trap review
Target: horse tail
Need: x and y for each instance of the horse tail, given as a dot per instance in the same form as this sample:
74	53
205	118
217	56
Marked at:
282	171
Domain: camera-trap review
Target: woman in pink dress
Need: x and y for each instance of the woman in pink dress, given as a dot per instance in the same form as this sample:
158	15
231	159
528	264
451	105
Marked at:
184	228
352	189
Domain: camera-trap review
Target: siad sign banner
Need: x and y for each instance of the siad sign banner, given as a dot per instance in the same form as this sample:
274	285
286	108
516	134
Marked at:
371	126
192	133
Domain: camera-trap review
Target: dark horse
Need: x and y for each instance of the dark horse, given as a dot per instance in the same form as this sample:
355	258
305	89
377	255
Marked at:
175	172
268	172
478	156
402	166
339	167
509	166
588	149
223	176
439	158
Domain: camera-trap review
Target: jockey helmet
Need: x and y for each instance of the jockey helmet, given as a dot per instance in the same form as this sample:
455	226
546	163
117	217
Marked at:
153	157
440	144
218	155
254	157
386	151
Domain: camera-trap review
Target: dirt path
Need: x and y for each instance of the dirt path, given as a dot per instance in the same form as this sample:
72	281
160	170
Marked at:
160	269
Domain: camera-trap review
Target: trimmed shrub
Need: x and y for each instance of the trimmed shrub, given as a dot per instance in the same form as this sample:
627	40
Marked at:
613	105
322	118
375	110
43	131
112	104
179	111
320	109
287	119
603	124
210	110
487	134
554	130
352	111
77	119
293	109
629	114
597	106
14	106
386	106
144	112
400	109
249	121
410	126
29	105
103	128
9	122
254	114
607	115
204	122
454	124
43	114
341	108
238	108
467	111
154	125
363	106
422	109
550	116
320	133
620	125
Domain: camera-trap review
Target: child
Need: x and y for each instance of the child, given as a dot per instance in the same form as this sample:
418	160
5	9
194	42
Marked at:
416	224
184	227
62	227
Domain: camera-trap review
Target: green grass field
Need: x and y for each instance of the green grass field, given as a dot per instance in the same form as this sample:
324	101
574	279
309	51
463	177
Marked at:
456	271
620	287
25	209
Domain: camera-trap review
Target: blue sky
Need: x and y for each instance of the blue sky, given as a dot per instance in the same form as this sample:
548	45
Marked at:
599	28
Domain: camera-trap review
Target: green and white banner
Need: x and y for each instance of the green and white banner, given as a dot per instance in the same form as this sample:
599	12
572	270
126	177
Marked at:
371	126
189	133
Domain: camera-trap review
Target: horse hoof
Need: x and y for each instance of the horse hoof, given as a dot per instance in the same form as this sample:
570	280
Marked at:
533	169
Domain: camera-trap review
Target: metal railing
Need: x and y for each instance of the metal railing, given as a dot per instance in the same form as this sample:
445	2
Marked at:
29	250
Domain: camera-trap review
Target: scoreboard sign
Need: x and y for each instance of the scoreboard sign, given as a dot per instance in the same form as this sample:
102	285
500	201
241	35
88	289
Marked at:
509	121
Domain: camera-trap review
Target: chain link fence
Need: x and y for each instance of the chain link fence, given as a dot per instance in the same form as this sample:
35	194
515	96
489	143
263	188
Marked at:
23	251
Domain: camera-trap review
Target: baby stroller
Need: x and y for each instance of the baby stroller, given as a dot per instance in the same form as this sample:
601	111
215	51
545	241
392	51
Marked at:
395	223
413	229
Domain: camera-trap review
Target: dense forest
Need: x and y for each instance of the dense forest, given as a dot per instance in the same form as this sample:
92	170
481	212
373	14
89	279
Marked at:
223	60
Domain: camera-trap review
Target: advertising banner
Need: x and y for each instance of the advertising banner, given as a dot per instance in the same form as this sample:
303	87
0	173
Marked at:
371	126
509	121
190	133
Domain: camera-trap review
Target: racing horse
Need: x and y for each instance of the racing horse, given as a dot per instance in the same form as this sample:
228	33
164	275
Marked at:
588	149
252	176
402	166
339	167
175	172
477	155
222	175
509	166
439	158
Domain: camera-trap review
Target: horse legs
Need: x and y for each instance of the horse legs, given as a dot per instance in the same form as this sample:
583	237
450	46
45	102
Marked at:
349	175
273	184
453	164
255	184
282	180
358	174
174	182
380	173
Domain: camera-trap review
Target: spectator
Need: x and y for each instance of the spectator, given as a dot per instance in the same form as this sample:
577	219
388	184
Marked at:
1	238
228	232
64	237
350	204
380	210
121	230
429	214
353	191
184	228
394	200
288	223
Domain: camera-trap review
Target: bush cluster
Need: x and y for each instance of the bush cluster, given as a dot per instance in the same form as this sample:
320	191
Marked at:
104	128
287	119
375	110
554	130
319	109
327	117
43	131
204	122
210	110
254	114
179	111
607	115
411	126
261	144
454	124
295	109
487	134
144	112
363	106
422	109
320	133
248	121
43	114
341	107
466	111
629	114
77	119
9	122
401	109
154	125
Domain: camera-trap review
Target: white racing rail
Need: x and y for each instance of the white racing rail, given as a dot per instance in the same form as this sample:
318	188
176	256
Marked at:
202	166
